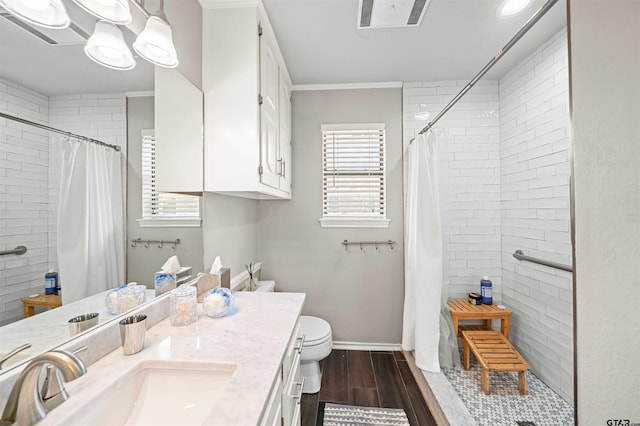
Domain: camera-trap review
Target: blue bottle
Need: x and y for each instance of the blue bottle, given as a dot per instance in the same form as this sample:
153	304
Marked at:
51	283
486	290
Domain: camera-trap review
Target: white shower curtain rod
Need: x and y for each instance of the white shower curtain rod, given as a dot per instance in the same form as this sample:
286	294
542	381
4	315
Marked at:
62	132
530	23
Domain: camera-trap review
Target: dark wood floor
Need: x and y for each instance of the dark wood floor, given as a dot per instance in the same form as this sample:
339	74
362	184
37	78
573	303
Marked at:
371	379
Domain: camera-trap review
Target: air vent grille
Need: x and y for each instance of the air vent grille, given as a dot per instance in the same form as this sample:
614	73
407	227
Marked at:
68	36
391	13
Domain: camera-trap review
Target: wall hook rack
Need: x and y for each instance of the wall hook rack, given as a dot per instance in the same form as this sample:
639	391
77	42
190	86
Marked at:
161	243
363	244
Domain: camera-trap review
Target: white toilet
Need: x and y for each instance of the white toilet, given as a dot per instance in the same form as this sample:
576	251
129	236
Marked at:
316	347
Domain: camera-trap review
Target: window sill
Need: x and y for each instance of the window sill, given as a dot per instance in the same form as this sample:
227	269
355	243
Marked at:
169	222
340	222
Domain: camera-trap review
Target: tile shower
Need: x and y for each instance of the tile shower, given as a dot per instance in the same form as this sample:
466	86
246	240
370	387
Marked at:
504	185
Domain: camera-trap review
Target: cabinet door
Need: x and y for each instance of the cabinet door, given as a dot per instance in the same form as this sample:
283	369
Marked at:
285	134
269	143
179	133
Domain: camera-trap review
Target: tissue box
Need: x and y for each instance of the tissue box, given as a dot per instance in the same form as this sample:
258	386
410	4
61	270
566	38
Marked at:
207	281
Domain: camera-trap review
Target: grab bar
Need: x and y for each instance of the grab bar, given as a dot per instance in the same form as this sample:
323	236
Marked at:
518	254
17	250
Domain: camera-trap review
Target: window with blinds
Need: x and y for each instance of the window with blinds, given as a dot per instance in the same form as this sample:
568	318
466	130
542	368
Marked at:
163	207
353	175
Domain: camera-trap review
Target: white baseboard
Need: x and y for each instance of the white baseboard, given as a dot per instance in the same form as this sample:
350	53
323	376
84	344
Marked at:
360	346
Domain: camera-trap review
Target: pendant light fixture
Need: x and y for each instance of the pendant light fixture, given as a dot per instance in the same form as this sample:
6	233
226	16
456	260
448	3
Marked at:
114	11
155	42
106	46
43	13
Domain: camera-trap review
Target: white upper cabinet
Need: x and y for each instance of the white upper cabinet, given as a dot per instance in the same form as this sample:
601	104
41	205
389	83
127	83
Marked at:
178	129
247	144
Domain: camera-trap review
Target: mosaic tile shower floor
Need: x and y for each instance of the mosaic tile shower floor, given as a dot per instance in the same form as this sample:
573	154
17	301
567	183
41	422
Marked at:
505	406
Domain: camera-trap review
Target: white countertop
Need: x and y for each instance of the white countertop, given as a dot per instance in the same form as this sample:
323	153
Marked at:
254	336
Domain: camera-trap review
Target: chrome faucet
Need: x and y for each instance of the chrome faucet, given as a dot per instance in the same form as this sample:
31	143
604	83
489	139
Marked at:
30	408
13	352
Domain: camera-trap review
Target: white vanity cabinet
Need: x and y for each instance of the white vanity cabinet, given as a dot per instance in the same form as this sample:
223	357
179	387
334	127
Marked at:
247	104
283	407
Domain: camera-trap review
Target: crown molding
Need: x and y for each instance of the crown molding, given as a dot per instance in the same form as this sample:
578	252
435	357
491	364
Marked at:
348	86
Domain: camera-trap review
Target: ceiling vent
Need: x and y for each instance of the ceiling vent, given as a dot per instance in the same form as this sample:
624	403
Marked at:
391	13
71	35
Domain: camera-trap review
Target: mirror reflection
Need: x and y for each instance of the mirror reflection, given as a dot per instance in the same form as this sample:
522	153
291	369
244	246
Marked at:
66	200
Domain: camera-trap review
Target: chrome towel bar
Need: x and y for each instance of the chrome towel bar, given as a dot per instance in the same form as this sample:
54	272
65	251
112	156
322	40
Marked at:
17	250
518	254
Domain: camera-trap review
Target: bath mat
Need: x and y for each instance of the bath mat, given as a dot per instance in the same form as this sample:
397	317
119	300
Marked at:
351	415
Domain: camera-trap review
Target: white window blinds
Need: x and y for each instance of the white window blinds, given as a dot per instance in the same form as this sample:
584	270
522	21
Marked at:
161	204
353	171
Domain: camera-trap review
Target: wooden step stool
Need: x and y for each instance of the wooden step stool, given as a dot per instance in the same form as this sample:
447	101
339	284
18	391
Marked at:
495	353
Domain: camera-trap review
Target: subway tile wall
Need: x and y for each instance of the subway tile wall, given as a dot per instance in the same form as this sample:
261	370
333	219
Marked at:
30	165
24	213
535	172
468	148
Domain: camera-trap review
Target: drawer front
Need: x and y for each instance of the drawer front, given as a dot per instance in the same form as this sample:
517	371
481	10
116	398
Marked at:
273	409
277	418
292	394
294	348
295	421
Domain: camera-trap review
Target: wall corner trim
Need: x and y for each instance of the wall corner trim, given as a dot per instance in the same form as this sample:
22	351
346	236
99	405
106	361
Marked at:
348	86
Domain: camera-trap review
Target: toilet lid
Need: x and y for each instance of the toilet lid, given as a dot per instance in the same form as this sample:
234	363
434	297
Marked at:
314	329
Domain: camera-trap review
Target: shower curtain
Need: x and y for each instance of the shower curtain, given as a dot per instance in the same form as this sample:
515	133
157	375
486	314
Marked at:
91	237
424	296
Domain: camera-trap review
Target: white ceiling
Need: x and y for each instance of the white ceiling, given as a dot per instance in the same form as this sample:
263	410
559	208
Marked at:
320	43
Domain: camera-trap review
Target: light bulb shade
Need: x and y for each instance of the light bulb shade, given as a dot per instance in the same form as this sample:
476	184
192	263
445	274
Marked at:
155	43
43	13
114	11
106	46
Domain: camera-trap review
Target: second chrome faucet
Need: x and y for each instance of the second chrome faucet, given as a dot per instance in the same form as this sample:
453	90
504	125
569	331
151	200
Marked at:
26	405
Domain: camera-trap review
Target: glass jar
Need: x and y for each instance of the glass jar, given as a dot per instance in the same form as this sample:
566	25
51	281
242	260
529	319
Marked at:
111	300
131	296
183	305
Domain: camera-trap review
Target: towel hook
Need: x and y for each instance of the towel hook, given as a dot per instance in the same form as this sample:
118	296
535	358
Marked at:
391	243
376	246
133	243
161	243
361	248
146	245
175	244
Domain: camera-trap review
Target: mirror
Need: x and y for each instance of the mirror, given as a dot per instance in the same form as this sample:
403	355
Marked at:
46	77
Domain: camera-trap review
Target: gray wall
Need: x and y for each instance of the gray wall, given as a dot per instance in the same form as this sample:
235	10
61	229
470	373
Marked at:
604	43
185	17
230	229
143	263
359	293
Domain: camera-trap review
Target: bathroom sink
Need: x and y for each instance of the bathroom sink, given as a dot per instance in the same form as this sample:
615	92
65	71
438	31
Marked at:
160	393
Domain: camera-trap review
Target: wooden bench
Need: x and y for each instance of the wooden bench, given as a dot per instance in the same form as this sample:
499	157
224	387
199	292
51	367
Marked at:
495	353
51	301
